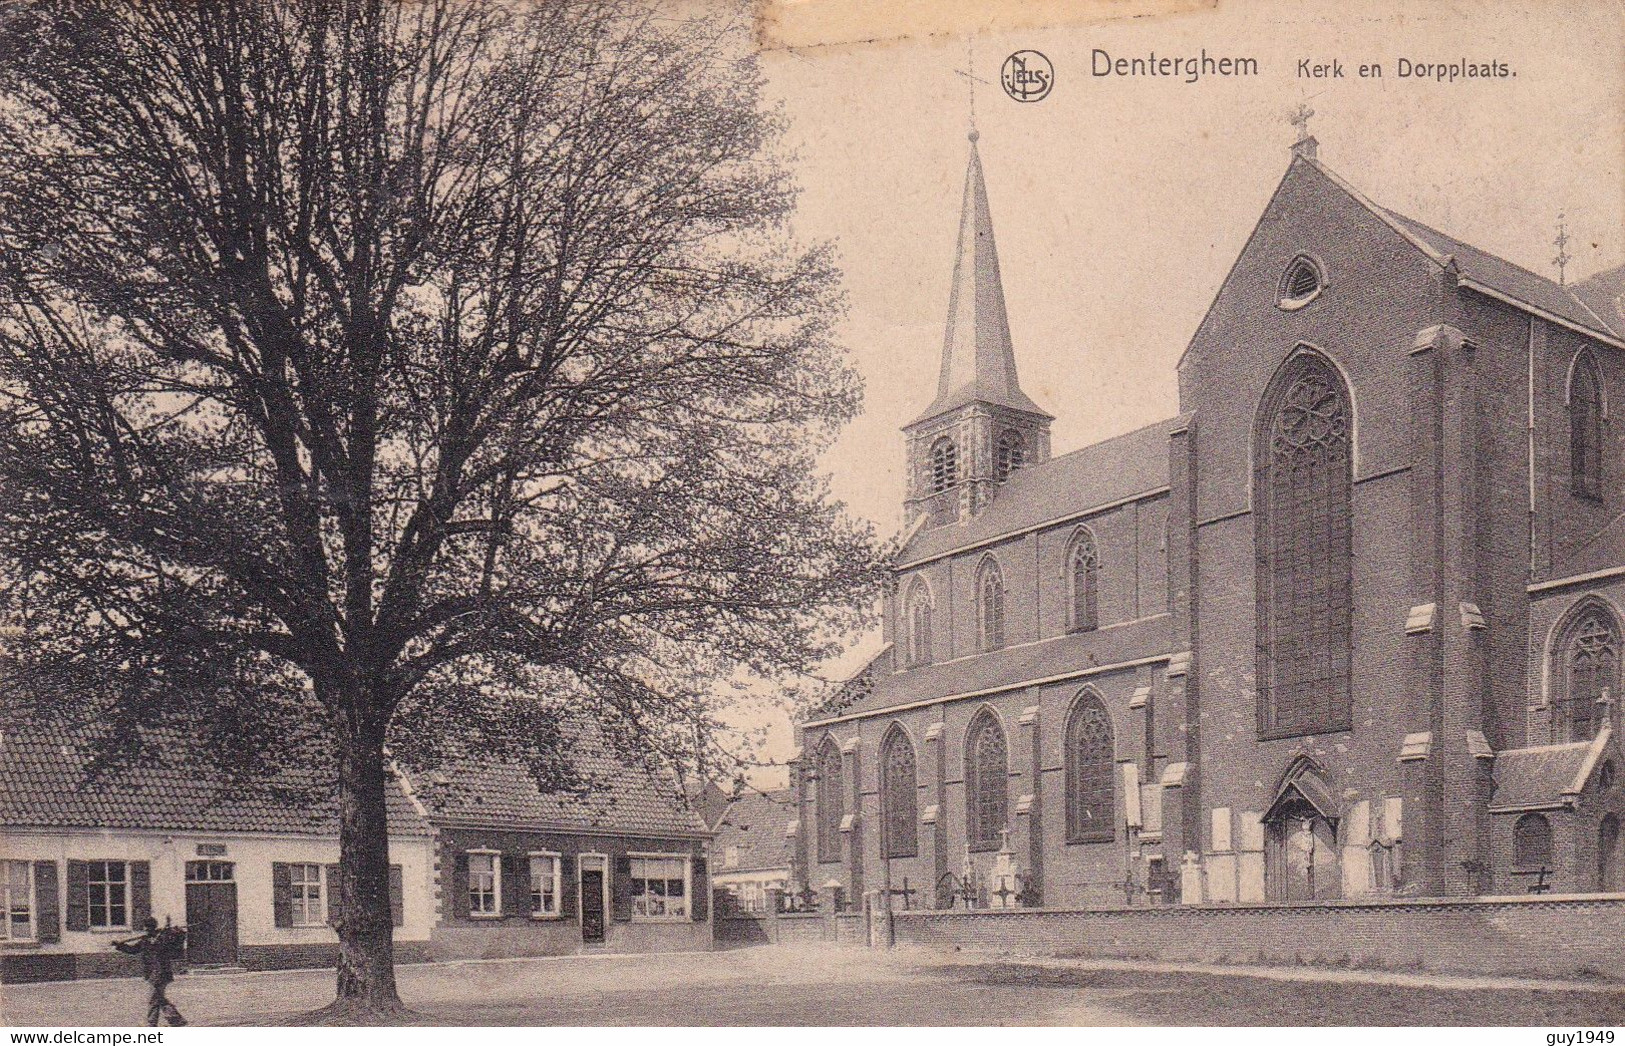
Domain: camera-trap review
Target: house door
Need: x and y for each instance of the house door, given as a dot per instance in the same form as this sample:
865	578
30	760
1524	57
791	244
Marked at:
211	913
592	905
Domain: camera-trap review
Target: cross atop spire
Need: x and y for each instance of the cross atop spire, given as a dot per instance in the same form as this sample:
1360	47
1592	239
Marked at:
1561	243
971	80
978	360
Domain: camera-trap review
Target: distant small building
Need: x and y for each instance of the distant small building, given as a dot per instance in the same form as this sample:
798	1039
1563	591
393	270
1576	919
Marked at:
84	861
752	849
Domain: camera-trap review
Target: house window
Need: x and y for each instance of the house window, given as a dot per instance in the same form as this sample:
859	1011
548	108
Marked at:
944	468
990	604
1532	842
730	856
830	801
1011	454
544	885
209	871
1083	575
17	882
987	791
484	883
1588	674
108	886
919	624
1302	493
305	894
659	888
1091	793
899	794
1585	426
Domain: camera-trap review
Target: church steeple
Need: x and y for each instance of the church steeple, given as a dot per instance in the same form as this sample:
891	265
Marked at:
981	426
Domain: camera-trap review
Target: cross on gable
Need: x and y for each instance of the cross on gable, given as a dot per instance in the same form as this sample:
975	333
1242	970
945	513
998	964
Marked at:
1299	118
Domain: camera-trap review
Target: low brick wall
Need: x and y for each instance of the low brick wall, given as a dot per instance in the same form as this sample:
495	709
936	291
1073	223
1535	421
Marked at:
743	929
1544	936
801	928
35	966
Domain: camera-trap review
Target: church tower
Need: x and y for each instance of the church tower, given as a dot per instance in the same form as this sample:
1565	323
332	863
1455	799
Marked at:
981	427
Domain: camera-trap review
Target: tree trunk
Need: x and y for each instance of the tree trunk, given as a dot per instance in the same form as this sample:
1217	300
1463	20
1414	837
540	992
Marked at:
366	970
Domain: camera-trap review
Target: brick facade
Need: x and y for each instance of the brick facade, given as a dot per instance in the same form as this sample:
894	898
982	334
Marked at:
1469	547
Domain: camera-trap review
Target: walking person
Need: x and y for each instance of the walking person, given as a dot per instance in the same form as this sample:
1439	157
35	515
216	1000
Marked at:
158	950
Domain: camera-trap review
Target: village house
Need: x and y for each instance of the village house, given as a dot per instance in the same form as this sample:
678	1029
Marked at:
752	849
83	862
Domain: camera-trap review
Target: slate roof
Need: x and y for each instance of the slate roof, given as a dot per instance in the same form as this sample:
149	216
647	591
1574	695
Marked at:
756	823
1515	281
1604	294
45	782
1096	475
616	796
1546	776
1012	666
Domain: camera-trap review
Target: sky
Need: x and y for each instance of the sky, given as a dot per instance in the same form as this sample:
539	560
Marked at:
1119	204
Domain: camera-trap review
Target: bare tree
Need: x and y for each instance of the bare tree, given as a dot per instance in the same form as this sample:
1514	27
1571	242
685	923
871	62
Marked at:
369	369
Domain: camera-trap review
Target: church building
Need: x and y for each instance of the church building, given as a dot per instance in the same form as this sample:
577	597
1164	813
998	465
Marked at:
1349	626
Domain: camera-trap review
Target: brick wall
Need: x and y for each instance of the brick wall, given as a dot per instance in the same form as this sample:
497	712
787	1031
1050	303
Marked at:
1547	936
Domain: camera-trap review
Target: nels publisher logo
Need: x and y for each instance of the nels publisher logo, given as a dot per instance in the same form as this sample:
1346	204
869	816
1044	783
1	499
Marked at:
1027	76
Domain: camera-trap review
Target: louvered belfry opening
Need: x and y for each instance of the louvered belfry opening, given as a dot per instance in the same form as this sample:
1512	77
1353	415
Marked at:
1302	498
1301	279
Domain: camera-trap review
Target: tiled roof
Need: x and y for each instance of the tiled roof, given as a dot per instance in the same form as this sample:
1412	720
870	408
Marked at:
756	823
615	795
1096	475
1536	778
1146	637
46	782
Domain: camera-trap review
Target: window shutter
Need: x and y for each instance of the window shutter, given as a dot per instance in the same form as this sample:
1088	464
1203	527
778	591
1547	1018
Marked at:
516	885
567	886
140	892
397	896
281	895
700	884
335	896
78	896
459	887
621	889
47	905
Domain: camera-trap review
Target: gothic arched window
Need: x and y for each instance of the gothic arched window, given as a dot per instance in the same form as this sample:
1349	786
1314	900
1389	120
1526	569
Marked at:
1301	496
1011	455
1083	581
986	783
1091	792
990	604
1587	673
1585	426
944	467
831	803
899	792
1532	842
919	624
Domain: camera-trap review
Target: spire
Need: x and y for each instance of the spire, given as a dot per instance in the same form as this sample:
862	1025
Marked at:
978	360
